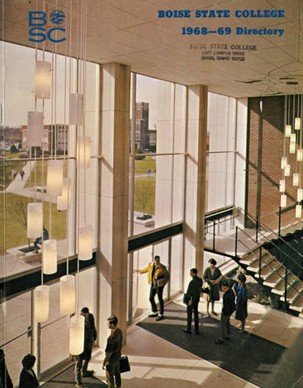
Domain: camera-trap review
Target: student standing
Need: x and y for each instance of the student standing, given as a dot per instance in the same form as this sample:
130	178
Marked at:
227	309
157	277
192	298
212	275
113	348
241	301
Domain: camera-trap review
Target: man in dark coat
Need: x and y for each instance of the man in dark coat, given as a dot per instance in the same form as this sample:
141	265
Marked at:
28	378
5	380
228	308
192	298
90	336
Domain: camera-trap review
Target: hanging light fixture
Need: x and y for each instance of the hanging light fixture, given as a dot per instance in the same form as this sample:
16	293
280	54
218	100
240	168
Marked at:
54	178
287	130
283	202
298	211
43	79
49	256
282	186
299	195
295	179
67	295
76	335
287	170
283	162
41	303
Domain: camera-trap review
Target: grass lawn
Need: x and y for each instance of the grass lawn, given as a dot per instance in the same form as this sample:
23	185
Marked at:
13	216
141	166
145	195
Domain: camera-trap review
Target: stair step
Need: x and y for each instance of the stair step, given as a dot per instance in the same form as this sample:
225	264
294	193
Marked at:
279	288
293	291
275	277
251	257
266	271
297	304
265	260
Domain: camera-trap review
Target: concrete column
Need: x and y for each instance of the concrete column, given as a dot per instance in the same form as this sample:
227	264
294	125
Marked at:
113	198
195	177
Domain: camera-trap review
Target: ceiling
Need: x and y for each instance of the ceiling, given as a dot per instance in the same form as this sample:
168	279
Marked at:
130	32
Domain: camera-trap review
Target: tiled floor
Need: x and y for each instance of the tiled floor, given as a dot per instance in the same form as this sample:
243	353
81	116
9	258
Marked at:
158	363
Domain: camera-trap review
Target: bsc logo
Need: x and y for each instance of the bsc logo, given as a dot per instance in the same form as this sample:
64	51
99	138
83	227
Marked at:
38	33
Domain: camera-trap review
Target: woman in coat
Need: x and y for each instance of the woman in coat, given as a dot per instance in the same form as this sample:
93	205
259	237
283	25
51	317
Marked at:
212	275
241	301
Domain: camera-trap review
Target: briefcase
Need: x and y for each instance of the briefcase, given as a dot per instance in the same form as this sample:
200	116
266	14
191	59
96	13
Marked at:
124	364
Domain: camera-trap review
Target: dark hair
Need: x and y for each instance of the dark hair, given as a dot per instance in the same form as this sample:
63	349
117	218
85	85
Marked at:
157	257
225	283
113	319
194	270
28	361
242	277
212	261
85	310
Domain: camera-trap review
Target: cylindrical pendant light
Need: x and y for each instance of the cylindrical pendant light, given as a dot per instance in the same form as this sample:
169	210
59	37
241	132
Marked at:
63	200
283	162
34	220
84	151
50	257
299	195
298	211
282	186
293	138
76	335
299	155
54	177
34	129
67	294
76	109
295	179
287	170
85	243
283	202
297	123
287	130
41	303
43	79
292	148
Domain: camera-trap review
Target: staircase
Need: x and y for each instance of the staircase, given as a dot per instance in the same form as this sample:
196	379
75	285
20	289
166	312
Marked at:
273	273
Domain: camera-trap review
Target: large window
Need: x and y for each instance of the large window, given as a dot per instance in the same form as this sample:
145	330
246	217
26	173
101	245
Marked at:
221	138
157	149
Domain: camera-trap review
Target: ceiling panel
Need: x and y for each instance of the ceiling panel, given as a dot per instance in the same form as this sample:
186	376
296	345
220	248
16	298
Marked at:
130	32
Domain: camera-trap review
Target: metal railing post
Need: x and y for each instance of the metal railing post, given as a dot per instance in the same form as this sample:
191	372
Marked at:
279	222
236	243
257	228
260	258
285	288
214	235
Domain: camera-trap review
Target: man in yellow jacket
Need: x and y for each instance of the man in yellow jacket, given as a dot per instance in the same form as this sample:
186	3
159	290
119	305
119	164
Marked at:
157	277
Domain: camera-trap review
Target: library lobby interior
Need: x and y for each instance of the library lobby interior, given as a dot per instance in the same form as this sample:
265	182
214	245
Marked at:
139	128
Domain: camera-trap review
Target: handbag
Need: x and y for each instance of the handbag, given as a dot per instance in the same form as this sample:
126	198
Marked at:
186	299
124	364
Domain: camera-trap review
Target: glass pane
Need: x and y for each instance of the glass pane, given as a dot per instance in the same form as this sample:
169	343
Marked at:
14	353
15	319
54	343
